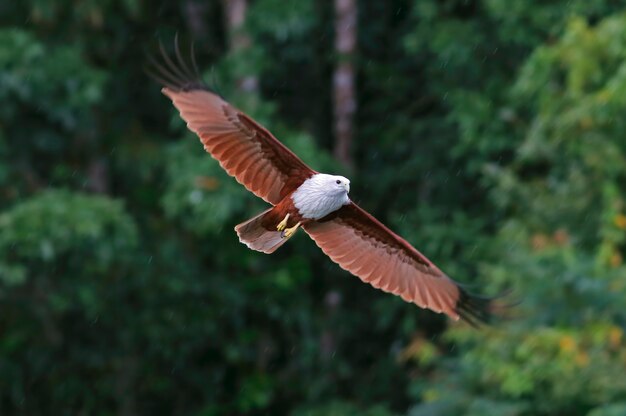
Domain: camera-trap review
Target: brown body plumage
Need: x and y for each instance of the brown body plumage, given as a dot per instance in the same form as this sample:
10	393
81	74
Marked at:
280	211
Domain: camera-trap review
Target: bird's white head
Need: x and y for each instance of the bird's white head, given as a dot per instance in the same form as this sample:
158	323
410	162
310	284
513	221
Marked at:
321	194
339	184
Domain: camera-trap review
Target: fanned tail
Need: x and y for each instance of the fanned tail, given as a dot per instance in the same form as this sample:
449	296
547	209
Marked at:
253	234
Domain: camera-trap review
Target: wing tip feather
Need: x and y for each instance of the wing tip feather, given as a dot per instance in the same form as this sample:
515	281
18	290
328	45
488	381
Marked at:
175	74
480	310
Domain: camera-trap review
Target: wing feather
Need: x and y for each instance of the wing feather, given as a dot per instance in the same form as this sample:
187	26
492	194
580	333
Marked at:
365	247
245	149
262	177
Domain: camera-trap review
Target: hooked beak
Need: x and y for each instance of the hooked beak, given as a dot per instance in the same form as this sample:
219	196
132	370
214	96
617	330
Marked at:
347	186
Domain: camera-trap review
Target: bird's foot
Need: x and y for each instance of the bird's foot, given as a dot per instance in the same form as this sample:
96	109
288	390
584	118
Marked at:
288	232
283	224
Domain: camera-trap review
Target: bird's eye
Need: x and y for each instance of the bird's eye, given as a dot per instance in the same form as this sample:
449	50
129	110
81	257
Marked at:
338	181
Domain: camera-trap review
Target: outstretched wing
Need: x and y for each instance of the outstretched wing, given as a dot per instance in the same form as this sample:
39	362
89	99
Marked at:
362	245
245	149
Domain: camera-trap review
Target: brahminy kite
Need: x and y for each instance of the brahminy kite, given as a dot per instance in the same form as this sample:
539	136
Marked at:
304	198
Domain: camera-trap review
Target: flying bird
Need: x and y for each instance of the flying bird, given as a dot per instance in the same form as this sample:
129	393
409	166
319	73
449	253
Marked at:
301	197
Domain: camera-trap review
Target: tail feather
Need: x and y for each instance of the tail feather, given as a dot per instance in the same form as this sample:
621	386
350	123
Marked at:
253	234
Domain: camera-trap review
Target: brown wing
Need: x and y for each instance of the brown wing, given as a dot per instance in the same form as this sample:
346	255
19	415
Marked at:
362	245
245	149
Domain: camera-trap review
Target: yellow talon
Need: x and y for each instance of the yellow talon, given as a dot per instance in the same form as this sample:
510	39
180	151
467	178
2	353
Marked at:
283	224
290	231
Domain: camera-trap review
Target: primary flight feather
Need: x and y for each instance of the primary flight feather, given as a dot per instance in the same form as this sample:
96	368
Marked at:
302	197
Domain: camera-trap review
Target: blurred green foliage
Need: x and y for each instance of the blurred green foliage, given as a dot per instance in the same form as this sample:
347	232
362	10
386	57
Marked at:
489	133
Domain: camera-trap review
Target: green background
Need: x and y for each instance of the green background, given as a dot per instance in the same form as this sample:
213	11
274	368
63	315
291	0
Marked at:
489	133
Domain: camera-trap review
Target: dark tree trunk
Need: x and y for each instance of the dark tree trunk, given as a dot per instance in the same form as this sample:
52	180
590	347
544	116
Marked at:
235	14
344	99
